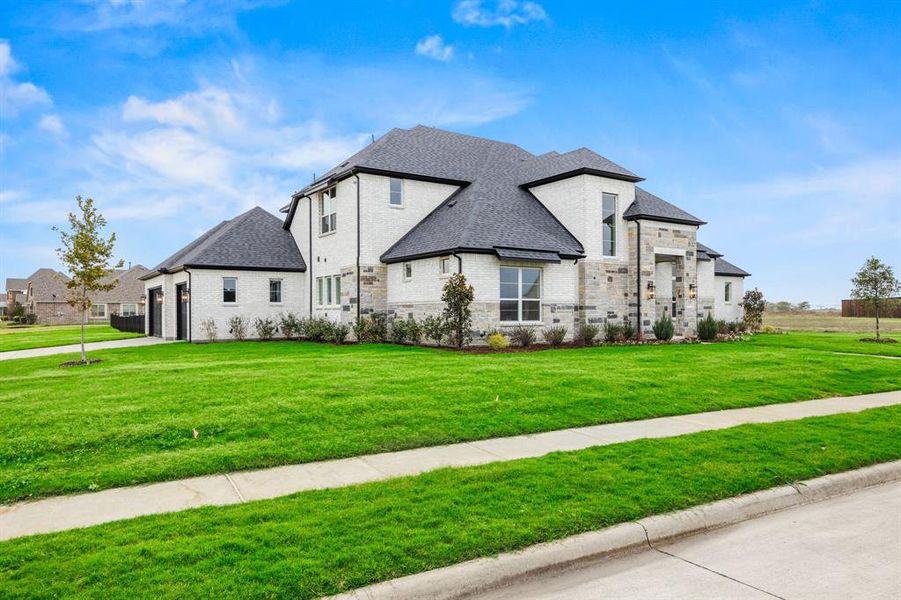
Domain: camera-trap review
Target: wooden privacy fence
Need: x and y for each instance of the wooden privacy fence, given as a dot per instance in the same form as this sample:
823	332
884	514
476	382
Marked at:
862	308
133	324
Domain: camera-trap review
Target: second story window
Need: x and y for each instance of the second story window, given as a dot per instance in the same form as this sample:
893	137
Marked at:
609	224
396	196
229	290
328	221
444	266
408	271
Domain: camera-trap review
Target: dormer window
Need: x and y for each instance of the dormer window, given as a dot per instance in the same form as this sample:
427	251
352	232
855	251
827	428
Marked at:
396	195
328	218
609	224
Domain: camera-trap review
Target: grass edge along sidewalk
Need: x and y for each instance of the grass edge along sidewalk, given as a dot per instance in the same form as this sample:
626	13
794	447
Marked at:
325	542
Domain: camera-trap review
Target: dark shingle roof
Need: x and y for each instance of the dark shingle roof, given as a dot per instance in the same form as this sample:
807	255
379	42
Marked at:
15	284
47	285
706	252
724	267
253	240
649	206
550	166
129	288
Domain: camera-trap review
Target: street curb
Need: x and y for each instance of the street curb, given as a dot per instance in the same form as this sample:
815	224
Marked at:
483	574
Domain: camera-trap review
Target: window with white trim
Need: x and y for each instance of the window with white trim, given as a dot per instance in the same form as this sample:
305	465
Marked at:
408	271
229	290
98	311
727	292
396	194
609	223
128	310
328	217
328	290
520	294
275	291
444	265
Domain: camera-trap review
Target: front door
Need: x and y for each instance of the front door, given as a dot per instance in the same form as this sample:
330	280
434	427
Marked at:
181	314
156	312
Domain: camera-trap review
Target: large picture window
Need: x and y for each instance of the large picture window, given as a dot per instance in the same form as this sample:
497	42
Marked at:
609	224
328	218
229	290
520	294
128	310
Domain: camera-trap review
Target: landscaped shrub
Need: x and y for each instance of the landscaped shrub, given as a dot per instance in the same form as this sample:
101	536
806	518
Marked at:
588	332
612	332
237	326
628	331
434	328
457	297
209	328
291	326
554	335
754	305
497	341
398	331
339	333
708	328
663	328
318	330
372	329
266	328
522	335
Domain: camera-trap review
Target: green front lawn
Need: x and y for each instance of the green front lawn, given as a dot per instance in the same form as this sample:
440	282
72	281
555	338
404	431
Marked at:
834	342
328	541
25	338
129	419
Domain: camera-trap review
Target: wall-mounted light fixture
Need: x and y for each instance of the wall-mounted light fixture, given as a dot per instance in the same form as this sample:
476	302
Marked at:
159	298
650	290
143	300
678	291
692	290
185	295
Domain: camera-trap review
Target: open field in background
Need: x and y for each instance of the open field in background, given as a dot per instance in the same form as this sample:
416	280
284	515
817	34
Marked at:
128	420
43	336
834	342
328	541
816	322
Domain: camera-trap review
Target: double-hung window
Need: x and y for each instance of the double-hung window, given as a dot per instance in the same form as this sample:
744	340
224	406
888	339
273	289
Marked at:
396	195
328	218
444	265
275	291
520	294
128	310
328	290
609	224
727	292
408	271
98	311
229	290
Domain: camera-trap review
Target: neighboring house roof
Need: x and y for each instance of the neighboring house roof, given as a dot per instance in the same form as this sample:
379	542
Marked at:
649	206
47	285
724	267
16	285
706	252
129	289
254	240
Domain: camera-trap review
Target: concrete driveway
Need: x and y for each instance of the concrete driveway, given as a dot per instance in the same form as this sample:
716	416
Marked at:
847	547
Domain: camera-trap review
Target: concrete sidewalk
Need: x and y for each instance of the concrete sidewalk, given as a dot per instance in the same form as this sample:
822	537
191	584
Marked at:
69	512
75	348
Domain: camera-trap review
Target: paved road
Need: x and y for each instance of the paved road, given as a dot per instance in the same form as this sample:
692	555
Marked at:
126	343
847	547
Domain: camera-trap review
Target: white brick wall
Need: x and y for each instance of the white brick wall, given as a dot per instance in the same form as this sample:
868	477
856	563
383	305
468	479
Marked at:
729	311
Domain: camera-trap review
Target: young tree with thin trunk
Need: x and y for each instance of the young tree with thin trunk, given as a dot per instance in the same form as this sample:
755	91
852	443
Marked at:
87	256
875	283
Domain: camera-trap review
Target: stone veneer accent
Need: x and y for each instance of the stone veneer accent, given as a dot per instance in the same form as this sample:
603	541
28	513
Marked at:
603	292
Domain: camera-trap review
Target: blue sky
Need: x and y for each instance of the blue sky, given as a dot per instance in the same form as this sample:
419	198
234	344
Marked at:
778	123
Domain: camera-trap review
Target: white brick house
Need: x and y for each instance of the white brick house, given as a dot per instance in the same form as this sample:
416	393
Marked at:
550	239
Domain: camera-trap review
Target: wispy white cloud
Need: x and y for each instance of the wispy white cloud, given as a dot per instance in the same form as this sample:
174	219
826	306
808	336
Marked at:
434	46
104	15
16	96
51	123
506	13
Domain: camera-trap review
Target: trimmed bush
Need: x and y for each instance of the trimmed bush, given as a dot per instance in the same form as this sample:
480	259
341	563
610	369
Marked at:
588	333
663	328
612	332
457	297
554	335
209	328
372	329
237	326
434	328
318	330
291	326
522	336
628	331
339	333
497	341
266	328
708	327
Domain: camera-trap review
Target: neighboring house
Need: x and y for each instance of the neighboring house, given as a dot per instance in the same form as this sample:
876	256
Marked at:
46	293
550	239
15	294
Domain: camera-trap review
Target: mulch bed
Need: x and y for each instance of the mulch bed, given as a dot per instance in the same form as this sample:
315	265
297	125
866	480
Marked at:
79	363
880	340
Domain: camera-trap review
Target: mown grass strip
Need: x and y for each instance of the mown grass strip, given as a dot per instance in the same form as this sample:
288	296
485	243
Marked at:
829	342
129	419
27	338
323	542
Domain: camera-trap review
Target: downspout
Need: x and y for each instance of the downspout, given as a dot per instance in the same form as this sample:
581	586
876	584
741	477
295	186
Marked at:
357	176
310	270
190	305
638	275
459	262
